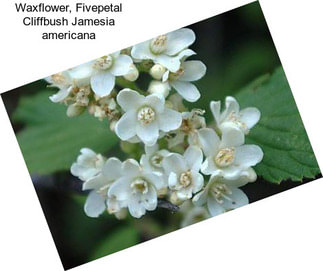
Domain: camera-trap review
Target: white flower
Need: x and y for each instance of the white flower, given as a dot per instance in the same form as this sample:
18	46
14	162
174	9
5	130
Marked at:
87	165
136	188
166	50
191	123
153	158
157	71
183	172
227	156
107	68
132	74
160	88
98	199
189	71
244	119
220	197
144	117
63	82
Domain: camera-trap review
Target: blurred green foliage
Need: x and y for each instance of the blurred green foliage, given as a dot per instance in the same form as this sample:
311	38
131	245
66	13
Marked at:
51	141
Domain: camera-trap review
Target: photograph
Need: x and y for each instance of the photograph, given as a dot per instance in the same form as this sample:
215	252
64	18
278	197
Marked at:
152	138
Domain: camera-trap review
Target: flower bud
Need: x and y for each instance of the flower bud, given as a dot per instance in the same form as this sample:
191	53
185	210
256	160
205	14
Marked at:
174	199
162	192
133	74
157	71
74	110
157	87
122	214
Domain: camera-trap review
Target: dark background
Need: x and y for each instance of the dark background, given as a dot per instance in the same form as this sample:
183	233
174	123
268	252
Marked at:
236	47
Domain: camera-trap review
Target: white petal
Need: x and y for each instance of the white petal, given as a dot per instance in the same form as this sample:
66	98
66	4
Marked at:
150	199
179	40
121	65
102	83
187	90
84	173
112	168
136	209
120	189
96	182
231	172
131	168
172	63
174	163
157	102
194	157
126	126
142	51
156	180
169	120
148	133
88	152
238	199
231	105
215	109
208	167
214	207
231	136
60	95
198	181
200	198
185	54
250	116
129	99
172	180
193	70
94	205
81	74
246	176
248	155
209	141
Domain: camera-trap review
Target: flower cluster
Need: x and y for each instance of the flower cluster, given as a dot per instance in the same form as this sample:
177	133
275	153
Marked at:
179	158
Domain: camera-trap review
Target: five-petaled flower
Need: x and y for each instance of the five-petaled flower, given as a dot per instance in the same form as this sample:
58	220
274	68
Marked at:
183	172
136	189
145	116
228	156
180	80
220	197
244	119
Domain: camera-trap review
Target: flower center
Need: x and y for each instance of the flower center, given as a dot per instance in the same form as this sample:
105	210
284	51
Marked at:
175	75
139	186
220	192
146	115
224	157
103	63
158	45
185	179
156	160
59	78
187	126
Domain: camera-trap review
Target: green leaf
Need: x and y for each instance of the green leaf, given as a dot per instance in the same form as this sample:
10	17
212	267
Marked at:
50	140
280	133
119	239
